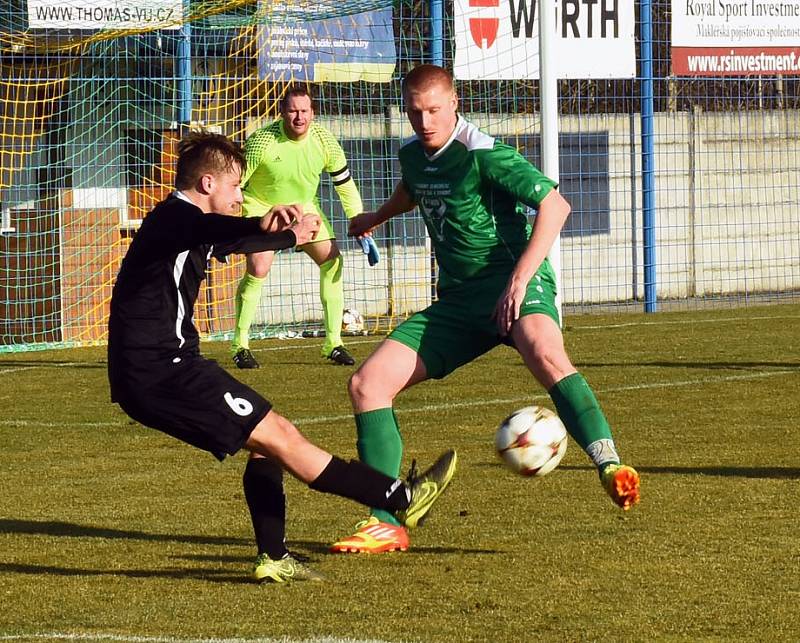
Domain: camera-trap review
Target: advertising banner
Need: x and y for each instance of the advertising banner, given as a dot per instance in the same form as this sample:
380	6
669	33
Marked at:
342	49
499	39
105	14
735	37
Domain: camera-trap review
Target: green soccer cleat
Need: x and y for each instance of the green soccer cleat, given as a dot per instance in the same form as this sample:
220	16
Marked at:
426	488
286	569
621	482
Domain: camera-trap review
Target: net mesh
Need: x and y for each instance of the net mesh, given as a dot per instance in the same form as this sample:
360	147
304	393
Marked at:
90	115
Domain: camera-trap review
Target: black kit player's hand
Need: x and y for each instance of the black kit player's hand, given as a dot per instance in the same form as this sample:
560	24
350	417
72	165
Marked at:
281	217
306	228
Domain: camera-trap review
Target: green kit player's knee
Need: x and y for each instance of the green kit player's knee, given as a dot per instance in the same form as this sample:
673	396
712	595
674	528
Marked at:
248	295
331	294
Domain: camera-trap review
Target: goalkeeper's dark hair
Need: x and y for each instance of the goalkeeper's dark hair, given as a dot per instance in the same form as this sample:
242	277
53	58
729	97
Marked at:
424	76
203	152
296	90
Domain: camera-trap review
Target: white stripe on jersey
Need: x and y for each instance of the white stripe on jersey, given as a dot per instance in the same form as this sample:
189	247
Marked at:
341	176
177	272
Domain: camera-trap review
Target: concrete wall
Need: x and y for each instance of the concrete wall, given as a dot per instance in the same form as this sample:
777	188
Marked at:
727	217
727	209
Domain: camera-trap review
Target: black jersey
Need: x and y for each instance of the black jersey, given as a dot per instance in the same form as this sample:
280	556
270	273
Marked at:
152	304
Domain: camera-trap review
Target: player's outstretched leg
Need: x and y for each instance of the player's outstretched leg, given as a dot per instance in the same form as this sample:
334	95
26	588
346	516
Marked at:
581	413
621	482
373	536
285	569
426	488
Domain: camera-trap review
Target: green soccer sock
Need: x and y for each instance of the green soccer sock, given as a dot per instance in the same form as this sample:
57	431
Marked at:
248	294
381	447
581	414
331	294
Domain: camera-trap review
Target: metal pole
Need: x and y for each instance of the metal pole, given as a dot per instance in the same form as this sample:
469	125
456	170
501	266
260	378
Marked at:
437	58
184	71
548	94
648	158
437	32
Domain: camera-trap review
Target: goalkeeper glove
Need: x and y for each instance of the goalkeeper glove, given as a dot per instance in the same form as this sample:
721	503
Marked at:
370	249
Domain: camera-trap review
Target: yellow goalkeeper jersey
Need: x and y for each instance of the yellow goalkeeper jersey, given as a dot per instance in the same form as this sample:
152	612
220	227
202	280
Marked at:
282	171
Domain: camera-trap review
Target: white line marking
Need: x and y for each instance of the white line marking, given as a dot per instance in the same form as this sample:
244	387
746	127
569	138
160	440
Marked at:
123	638
516	400
17	369
268	349
378	338
455	405
672	322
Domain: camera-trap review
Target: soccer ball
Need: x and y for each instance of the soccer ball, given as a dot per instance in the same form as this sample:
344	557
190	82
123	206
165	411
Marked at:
531	441
352	321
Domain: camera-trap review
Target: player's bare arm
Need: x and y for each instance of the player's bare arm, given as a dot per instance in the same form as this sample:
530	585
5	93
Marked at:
553	212
398	203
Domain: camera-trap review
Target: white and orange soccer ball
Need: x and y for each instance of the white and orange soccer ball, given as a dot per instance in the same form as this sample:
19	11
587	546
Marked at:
531	441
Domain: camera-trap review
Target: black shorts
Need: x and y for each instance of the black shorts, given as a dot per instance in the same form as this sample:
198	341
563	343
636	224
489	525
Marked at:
199	403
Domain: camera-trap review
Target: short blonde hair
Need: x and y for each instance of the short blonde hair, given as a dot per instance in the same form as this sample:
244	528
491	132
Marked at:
203	152
424	76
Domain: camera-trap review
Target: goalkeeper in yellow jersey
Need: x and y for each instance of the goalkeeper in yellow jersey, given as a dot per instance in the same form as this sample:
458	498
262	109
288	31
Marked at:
285	161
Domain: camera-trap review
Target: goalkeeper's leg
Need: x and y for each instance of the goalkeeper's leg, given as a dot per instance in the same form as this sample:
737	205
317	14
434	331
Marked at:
248	296
331	294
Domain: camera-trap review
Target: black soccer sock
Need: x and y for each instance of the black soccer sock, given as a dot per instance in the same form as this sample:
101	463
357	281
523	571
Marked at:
263	490
357	481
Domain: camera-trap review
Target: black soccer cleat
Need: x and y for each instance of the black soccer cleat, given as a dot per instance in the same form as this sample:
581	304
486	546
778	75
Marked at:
339	355
245	359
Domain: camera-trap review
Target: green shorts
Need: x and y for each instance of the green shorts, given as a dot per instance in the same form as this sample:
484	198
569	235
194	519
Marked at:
459	328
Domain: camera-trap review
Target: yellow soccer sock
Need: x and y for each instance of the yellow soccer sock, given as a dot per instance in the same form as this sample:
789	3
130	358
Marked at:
331	294
248	295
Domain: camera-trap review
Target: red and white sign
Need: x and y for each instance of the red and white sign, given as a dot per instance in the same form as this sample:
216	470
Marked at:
735	37
499	39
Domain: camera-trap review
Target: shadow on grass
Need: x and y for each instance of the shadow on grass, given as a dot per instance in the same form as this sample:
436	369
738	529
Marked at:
776	473
687	364
27	363
209	575
323	548
50	528
216	575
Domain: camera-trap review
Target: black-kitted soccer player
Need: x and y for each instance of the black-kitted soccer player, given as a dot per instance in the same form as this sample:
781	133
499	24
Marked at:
159	378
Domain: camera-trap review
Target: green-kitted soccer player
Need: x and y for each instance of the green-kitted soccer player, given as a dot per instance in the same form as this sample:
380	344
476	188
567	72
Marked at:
495	286
285	160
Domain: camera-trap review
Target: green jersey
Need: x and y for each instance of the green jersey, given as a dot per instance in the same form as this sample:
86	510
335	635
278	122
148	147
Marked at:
281	171
471	194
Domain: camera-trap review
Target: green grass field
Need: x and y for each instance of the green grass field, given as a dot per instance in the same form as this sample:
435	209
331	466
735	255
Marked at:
110	531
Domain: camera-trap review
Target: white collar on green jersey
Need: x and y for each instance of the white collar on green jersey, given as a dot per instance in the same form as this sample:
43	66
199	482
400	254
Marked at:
469	135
